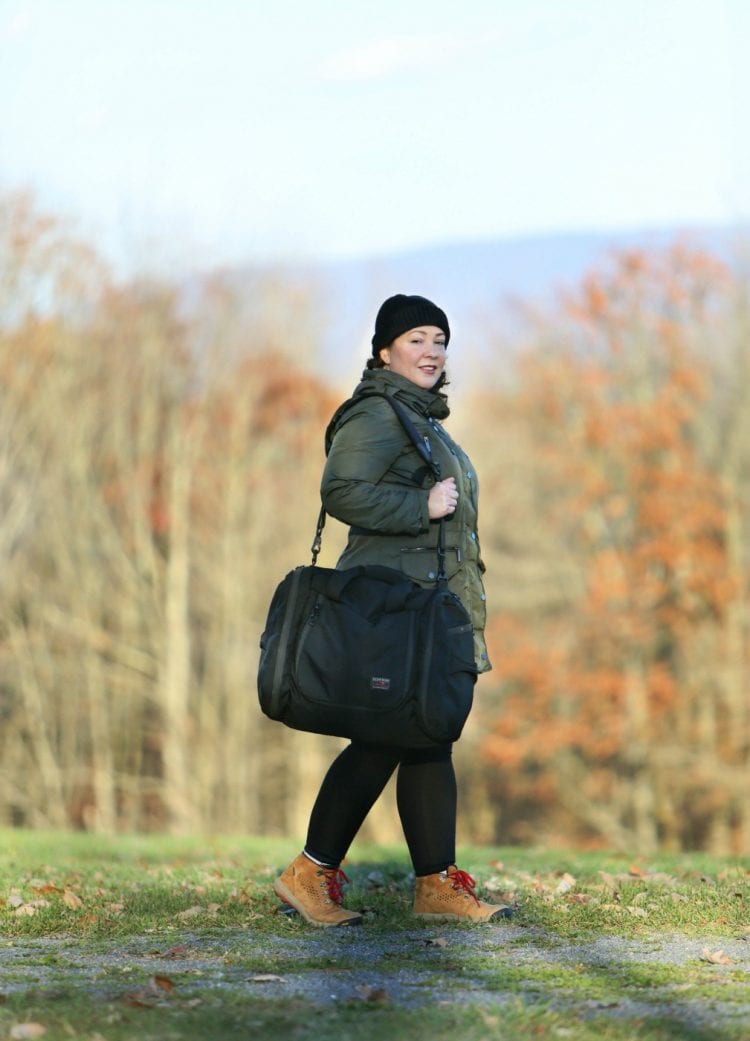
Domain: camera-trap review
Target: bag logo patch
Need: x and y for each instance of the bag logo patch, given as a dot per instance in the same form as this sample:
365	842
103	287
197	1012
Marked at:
380	683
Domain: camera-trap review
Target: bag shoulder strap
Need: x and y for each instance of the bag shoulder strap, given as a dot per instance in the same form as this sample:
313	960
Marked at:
421	444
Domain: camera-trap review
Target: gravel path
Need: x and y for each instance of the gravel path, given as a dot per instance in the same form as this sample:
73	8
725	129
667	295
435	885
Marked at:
426	969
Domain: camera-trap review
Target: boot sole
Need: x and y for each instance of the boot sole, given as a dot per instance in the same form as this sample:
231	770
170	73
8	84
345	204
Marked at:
287	896
495	917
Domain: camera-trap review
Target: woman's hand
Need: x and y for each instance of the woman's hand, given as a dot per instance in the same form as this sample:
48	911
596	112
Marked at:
442	498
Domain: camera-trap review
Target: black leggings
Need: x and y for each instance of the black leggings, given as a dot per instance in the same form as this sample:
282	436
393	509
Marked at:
425	794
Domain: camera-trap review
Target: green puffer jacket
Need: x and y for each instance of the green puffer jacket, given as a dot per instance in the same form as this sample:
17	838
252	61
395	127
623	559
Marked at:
375	481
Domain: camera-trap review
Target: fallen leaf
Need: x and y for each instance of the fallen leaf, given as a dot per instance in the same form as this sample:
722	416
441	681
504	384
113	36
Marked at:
213	908
499	888
71	900
179	951
375	994
634	869
26	909
21	1031
267	977
139	999
565	884
580	898
45	887
660	878
115	908
162	983
15	900
190	912
487	1019
437	941
715	957
637	912
731	872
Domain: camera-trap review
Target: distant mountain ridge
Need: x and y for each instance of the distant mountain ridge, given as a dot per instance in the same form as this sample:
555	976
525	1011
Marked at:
474	281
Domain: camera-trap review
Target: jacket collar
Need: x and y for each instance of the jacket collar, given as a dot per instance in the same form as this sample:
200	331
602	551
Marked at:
428	402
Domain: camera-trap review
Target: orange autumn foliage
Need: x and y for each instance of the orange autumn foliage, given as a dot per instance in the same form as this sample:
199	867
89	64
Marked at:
606	687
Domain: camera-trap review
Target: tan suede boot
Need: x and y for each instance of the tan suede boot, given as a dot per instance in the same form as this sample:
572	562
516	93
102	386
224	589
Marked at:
315	892
450	895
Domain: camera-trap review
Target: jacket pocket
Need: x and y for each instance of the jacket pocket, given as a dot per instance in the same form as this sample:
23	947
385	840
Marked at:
420	563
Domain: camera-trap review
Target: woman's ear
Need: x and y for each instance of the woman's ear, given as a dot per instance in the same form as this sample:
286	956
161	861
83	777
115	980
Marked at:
385	355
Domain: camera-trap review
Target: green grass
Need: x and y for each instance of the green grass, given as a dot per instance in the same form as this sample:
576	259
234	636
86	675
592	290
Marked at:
87	885
127	902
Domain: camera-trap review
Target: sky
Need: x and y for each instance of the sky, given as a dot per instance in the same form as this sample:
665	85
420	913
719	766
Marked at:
270	130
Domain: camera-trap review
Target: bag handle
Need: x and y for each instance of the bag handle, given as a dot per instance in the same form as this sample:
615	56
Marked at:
423	447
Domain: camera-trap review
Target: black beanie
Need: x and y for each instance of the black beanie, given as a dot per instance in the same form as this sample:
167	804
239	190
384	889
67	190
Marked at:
401	313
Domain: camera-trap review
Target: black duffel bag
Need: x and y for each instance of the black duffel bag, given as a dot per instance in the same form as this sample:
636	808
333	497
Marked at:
366	653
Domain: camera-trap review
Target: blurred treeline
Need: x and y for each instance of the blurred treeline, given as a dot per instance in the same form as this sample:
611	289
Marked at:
159	465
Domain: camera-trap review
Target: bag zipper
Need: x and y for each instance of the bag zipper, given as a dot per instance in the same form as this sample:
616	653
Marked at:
285	629
427	657
309	623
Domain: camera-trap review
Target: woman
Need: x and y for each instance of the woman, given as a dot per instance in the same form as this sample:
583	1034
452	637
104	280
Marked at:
375	481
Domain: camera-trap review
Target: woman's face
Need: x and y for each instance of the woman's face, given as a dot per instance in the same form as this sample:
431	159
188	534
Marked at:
418	354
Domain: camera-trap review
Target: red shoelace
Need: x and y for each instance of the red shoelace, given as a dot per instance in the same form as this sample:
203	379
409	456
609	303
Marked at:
335	879
463	881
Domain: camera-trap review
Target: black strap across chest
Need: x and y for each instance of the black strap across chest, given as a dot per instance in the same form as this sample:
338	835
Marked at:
423	447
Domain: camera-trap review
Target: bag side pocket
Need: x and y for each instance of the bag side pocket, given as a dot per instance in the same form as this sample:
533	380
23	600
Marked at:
449	671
